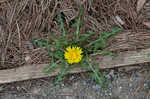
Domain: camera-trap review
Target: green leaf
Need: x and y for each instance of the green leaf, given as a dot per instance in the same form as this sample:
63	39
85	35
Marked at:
58	54
148	54
61	75
100	41
40	44
83	63
61	25
104	33
91	32
78	24
47	45
97	70
96	46
81	12
115	31
86	36
52	65
99	79
34	41
47	69
108	53
93	75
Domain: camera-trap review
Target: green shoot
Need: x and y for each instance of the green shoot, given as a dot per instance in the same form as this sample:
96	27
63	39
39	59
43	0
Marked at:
78	24
99	79
52	65
61	25
61	74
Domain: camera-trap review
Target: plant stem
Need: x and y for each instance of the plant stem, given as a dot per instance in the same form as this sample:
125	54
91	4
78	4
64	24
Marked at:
97	76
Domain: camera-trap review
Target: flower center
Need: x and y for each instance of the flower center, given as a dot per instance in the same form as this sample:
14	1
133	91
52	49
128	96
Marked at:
73	55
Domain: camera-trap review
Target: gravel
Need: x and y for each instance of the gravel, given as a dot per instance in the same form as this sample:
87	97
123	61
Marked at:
125	86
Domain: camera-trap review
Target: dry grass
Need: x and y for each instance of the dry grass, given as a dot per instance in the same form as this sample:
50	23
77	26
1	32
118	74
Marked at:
22	20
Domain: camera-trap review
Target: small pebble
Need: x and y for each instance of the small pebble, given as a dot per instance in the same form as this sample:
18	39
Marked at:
18	88
108	76
96	87
110	93
120	87
112	73
145	84
84	83
57	86
102	94
130	85
62	85
27	58
71	78
14	95
67	90
118	19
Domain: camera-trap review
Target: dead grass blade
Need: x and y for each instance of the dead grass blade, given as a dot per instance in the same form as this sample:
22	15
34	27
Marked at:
140	5
147	24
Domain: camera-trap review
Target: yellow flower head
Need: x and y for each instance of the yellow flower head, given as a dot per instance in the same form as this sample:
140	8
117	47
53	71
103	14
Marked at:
73	54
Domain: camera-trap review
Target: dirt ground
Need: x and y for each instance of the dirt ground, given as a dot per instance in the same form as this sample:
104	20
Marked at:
22	20
120	83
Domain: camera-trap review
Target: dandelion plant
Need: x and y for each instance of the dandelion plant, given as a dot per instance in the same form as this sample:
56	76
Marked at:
67	52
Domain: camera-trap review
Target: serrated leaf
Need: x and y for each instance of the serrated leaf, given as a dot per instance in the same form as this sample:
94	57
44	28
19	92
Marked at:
115	31
86	36
91	32
61	75
40	44
96	46
77	24
61	25
47	45
81	12
108	34
58	54
47	69
108	53
100	81
104	33
92	75
96	70
34	41
102	42
83	66
52	65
